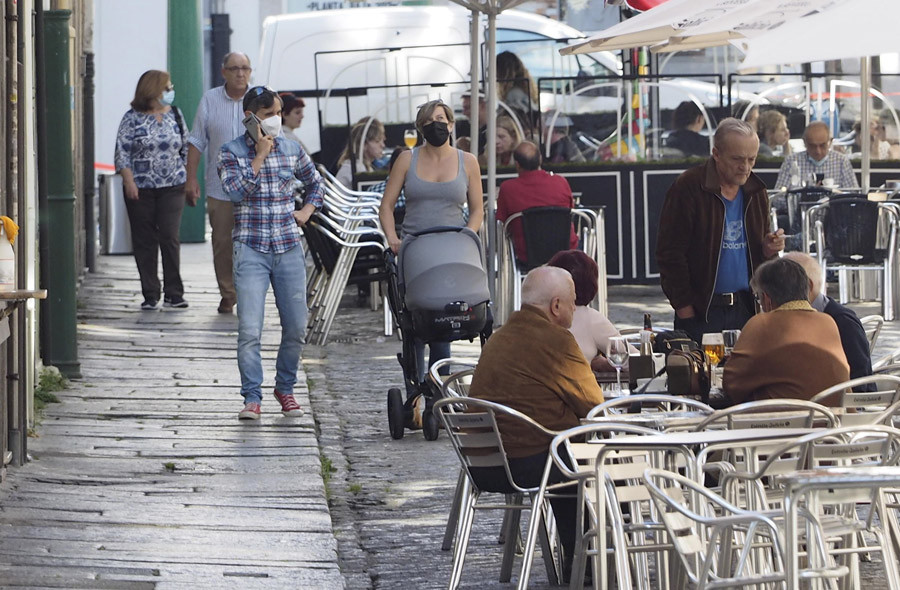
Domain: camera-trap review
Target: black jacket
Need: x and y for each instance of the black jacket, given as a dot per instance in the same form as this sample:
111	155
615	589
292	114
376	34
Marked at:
853	338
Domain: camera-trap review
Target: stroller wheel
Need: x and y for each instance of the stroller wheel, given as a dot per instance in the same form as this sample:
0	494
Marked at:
395	413
430	425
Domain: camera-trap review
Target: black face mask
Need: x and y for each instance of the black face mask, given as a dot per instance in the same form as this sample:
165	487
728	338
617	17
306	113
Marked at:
436	133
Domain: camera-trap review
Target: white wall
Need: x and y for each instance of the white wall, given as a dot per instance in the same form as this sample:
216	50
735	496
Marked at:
130	37
246	27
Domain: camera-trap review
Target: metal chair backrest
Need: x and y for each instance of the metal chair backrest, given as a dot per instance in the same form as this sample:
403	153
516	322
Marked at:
691	514
455	371
771	413
471	426
872	326
546	231
851	226
861	407
660	402
888	363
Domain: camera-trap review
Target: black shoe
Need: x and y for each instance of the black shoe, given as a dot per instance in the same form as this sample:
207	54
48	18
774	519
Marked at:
175	301
150	305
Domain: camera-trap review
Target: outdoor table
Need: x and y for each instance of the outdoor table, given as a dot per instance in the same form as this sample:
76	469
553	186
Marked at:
681	442
799	483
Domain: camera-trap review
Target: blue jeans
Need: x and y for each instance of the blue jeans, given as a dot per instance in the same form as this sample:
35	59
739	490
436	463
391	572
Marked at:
253	272
436	351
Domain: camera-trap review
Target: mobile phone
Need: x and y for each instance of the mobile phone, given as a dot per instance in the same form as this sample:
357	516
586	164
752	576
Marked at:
252	124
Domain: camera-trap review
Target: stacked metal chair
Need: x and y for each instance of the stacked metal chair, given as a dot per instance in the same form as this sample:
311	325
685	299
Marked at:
346	225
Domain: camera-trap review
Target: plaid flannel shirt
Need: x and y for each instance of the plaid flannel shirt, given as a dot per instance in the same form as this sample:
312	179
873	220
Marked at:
264	202
836	166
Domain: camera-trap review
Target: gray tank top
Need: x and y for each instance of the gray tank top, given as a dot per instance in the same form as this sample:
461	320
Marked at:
432	204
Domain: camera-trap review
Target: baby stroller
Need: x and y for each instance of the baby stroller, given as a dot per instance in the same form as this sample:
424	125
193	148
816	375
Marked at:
438	292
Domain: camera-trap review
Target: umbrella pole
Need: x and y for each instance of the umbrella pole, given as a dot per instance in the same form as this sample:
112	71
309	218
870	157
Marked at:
865	139
474	75
491	150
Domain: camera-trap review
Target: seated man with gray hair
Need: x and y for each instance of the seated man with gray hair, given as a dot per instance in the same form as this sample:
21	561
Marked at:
789	351
853	335
534	365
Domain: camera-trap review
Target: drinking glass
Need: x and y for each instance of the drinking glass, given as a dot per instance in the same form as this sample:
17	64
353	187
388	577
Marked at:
617	354
410	138
729	339
714	347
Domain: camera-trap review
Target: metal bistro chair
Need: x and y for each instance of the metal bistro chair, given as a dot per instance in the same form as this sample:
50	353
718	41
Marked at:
872	325
471	426
577	461
888	363
847	240
648	402
847	446
717	541
861	406
547	230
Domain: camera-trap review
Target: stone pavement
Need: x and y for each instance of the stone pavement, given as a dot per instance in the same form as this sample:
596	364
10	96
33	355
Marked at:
389	499
144	478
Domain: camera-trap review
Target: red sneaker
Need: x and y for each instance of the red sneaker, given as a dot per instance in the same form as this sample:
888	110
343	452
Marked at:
251	411
289	406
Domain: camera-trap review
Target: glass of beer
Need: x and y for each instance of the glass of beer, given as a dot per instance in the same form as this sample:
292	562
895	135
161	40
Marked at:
410	138
714	347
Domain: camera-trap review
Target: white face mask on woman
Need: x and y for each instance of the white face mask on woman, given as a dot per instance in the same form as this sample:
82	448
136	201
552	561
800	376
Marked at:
168	97
272	126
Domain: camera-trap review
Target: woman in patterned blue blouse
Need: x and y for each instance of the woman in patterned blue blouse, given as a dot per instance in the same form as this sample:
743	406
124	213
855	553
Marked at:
151	156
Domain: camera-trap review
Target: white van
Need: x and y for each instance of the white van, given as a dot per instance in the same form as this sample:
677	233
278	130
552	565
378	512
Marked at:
403	56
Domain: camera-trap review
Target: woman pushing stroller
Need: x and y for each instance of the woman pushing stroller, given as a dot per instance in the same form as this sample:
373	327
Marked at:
438	181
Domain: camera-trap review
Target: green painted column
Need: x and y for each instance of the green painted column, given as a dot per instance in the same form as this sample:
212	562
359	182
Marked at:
186	68
61	293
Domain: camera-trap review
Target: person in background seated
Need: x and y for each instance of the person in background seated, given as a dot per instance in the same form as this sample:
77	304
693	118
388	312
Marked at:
508	138
400	207
687	121
465	143
773	134
592	329
880	149
371	151
547	379
533	188
751	117
292	115
562	147
789	350
818	160
517	90
853	335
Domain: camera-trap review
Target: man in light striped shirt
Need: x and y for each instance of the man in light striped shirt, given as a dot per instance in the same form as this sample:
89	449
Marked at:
218	121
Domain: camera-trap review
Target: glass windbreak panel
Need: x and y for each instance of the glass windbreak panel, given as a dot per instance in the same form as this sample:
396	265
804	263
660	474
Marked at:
633	119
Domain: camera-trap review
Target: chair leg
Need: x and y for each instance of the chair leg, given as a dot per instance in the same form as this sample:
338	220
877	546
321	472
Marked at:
459	498
547	532
462	543
511	520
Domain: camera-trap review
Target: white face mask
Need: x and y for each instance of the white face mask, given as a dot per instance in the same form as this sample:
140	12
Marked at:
168	97
272	126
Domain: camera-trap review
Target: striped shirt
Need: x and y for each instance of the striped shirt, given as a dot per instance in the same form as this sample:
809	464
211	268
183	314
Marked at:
836	166
219	119
264	202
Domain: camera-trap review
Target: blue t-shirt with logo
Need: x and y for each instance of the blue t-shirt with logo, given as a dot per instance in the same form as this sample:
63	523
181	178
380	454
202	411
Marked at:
734	274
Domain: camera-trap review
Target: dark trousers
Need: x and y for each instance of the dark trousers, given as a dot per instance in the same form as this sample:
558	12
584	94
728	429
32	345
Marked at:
732	317
527	472
155	219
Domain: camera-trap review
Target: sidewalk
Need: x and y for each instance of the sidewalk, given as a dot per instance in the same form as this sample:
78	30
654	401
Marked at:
144	478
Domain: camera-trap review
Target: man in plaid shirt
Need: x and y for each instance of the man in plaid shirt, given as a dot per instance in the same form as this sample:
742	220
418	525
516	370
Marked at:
259	176
819	160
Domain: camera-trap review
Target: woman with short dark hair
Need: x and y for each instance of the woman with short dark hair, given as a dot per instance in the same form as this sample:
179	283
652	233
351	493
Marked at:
151	154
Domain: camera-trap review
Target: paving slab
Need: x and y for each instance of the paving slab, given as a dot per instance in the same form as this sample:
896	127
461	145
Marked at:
142	477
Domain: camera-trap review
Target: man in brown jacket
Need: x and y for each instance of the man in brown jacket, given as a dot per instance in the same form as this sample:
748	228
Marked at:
534	365
790	351
713	233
